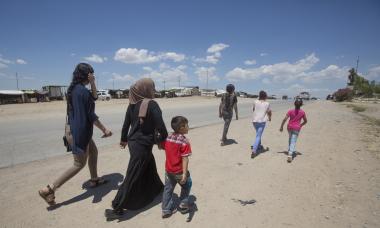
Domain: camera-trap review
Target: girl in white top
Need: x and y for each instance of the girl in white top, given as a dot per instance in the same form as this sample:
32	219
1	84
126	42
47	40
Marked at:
261	114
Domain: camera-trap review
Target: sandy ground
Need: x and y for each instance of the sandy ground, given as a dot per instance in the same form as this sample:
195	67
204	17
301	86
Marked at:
335	182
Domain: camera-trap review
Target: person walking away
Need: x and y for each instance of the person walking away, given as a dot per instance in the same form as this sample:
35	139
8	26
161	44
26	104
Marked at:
227	104
294	126
81	117
177	150
143	127
261	114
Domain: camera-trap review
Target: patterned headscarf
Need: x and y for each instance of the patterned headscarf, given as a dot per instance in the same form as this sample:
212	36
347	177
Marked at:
143	90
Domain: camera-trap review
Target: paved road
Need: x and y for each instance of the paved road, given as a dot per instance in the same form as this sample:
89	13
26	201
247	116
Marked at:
26	140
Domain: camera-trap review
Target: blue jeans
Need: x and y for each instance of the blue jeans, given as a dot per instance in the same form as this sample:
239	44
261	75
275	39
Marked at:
259	127
293	135
171	181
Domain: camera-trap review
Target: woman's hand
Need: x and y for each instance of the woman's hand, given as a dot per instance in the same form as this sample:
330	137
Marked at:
91	77
107	133
123	144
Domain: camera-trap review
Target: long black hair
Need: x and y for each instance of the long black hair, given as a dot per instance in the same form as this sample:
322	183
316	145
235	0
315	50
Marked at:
80	75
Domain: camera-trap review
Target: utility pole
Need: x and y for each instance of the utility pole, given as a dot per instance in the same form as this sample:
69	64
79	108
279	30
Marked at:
207	80
164	85
113	83
17	80
357	64
179	81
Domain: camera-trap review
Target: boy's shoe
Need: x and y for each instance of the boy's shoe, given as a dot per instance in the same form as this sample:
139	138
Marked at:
183	209
168	214
253	155
290	158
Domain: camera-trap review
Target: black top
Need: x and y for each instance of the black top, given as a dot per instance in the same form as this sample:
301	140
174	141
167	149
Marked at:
151	131
81	117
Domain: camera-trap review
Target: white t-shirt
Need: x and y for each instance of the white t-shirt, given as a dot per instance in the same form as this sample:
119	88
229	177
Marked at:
261	108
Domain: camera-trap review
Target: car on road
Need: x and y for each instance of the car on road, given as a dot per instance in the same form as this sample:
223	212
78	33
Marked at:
104	95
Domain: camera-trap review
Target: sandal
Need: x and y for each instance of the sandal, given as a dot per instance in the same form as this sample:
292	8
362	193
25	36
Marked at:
49	196
97	182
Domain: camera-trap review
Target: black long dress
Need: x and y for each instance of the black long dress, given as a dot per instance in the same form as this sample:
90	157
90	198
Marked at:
141	183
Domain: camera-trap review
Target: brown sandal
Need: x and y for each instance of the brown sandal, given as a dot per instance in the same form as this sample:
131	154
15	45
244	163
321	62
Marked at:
48	196
97	182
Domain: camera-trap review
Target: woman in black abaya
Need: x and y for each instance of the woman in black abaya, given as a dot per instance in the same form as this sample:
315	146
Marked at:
143	127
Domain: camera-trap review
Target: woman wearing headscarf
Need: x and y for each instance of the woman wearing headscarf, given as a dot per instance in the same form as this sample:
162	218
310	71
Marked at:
143	127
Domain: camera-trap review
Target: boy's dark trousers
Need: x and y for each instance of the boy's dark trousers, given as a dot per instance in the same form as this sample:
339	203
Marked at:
227	117
171	181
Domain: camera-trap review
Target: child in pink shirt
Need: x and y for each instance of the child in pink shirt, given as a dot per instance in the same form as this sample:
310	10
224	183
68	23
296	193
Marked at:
294	126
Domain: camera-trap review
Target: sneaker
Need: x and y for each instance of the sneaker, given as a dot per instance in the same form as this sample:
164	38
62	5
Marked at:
290	158
168	214
253	155
183	209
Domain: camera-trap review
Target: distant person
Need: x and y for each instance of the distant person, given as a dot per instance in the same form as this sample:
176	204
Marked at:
227	104
177	150
294	126
143	127
261	114
81	117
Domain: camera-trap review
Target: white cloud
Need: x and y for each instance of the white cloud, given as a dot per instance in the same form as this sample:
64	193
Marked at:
374	73
281	72
250	62
266	81
173	56
170	75
205	73
21	61
95	58
4	62
133	55
2	65
146	68
215	56
263	54
217	47
329	73
73	54
182	67
163	66
136	56
122	78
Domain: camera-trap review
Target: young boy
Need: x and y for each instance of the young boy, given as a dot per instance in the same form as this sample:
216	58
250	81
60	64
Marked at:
177	150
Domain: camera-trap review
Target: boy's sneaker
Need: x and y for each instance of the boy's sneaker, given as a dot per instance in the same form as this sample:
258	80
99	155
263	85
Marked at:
168	214
253	155
183	209
290	158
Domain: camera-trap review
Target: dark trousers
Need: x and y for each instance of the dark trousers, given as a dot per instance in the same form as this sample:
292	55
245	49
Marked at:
171	181
227	117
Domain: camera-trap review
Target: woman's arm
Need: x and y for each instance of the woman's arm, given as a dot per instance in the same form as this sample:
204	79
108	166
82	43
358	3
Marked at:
125	129
159	124
106	132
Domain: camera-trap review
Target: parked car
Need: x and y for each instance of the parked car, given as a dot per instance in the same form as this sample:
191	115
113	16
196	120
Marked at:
104	95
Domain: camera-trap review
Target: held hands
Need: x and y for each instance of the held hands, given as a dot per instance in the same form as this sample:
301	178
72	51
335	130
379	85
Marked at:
184	179
123	144
106	133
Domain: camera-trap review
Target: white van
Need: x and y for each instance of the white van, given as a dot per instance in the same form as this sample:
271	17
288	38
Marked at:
103	95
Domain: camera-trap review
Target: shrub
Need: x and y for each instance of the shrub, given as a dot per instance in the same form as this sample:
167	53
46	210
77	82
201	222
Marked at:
343	95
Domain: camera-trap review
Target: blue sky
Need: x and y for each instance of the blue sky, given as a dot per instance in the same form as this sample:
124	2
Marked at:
283	47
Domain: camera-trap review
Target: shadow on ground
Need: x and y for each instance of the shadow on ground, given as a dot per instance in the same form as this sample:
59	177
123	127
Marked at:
97	193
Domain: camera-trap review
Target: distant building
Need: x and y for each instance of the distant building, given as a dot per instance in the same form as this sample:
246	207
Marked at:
55	92
11	96
304	95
